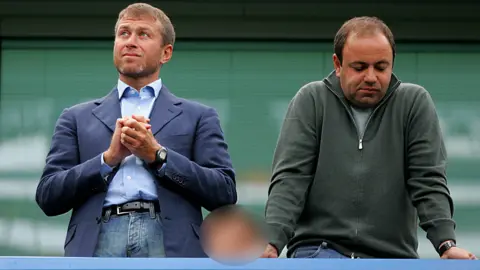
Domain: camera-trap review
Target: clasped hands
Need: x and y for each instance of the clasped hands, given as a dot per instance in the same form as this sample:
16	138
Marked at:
132	135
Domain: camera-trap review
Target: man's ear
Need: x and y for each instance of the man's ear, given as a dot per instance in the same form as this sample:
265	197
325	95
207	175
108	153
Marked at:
337	65
166	54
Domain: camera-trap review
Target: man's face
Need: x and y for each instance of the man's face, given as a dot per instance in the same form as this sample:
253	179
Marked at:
138	50
366	69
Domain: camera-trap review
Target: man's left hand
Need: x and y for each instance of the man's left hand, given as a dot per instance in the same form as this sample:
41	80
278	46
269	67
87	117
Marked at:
459	254
139	140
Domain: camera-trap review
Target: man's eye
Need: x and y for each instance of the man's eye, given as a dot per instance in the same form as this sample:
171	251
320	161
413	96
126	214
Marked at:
381	68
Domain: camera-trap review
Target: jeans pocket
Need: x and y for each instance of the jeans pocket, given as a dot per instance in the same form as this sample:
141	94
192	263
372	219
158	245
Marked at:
307	252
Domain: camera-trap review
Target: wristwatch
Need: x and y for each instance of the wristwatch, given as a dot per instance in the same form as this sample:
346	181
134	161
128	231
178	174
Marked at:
160	158
446	246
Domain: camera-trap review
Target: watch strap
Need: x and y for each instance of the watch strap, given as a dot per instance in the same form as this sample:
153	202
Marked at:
446	246
158	162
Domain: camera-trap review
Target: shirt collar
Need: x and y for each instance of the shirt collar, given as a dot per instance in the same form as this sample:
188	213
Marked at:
122	87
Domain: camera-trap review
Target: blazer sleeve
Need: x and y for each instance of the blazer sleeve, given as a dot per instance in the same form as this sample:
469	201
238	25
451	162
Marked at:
209	176
65	183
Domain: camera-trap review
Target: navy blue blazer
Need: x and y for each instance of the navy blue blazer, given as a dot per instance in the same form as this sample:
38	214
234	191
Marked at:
198	174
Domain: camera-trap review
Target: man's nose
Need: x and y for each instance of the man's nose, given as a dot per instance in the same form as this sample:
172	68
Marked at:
132	41
370	76
131	45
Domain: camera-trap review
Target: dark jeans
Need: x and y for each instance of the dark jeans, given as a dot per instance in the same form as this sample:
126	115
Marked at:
318	252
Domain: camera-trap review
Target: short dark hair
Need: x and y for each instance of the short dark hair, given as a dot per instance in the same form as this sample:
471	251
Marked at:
361	25
142	9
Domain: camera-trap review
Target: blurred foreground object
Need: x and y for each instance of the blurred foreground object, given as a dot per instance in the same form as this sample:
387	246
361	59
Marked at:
232	235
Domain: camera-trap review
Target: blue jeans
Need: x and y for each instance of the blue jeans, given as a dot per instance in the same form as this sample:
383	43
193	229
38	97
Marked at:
319	252
131	235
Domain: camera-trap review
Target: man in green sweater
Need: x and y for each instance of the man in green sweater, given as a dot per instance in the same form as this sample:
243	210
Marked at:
359	158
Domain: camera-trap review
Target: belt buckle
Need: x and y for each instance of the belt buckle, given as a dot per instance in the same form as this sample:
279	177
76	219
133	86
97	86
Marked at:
119	213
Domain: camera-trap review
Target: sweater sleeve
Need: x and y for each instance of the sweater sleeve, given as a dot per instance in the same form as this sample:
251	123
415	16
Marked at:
293	168
426	182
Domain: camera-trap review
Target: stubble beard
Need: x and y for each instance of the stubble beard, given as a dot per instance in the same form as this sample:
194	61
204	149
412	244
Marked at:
136	73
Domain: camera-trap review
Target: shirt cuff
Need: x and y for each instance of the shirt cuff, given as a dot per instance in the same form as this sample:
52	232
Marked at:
105	170
161	172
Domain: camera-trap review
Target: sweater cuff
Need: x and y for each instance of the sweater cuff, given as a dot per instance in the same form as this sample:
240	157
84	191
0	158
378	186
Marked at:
277	237
441	233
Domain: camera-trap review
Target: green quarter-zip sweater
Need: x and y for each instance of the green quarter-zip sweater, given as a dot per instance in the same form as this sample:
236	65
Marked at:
363	190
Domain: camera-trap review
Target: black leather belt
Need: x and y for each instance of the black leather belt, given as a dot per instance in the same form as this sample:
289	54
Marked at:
136	206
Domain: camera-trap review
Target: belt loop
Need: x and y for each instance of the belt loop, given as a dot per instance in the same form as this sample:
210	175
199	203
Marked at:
107	215
151	209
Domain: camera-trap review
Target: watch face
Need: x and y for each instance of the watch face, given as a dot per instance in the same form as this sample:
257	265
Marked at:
162	154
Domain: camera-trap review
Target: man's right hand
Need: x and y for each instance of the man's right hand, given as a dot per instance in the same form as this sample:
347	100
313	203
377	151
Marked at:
270	252
116	152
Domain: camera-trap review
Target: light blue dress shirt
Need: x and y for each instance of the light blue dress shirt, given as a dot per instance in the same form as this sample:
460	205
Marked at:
132	181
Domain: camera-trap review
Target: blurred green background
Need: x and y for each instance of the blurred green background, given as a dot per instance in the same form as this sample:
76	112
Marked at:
250	85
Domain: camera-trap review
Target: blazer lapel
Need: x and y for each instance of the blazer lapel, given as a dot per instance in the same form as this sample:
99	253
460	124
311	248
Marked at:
108	110
164	110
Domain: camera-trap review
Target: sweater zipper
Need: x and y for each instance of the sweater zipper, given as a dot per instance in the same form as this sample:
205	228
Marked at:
360	136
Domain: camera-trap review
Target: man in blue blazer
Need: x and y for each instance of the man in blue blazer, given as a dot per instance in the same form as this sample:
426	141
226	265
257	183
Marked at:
136	166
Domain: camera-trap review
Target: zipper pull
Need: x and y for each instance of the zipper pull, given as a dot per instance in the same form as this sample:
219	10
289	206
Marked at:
360	145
